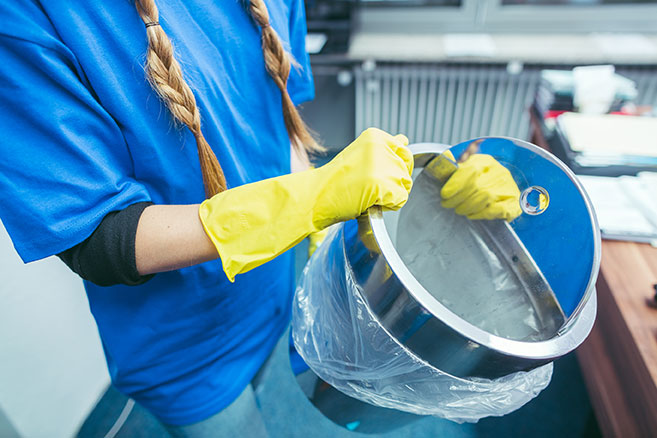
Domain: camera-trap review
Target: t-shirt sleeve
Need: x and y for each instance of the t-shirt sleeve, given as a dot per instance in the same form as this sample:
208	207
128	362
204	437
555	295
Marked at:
65	163
301	86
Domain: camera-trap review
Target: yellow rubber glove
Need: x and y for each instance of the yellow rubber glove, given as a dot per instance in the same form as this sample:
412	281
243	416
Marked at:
316	239
482	188
251	224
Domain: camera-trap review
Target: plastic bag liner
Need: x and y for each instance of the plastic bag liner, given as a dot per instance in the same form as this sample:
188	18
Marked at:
343	343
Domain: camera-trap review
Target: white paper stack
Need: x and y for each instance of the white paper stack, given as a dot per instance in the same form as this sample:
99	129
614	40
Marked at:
626	206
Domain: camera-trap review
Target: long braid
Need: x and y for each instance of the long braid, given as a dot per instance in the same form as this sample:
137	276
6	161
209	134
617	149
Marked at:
278	63
165	75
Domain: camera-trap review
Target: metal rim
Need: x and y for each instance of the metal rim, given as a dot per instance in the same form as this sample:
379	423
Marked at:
564	341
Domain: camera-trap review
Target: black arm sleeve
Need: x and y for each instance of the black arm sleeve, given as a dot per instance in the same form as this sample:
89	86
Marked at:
107	257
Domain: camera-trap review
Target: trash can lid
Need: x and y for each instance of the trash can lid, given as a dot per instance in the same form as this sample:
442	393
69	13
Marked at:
523	280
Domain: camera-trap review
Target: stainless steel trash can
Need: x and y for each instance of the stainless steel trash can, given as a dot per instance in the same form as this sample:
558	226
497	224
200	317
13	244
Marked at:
424	303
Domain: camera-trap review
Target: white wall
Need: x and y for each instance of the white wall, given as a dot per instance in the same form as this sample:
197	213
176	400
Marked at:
52	369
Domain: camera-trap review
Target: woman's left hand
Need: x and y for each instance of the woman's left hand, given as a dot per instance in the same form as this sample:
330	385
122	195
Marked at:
482	188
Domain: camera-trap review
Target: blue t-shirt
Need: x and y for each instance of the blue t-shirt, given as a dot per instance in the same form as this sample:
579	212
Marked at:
83	134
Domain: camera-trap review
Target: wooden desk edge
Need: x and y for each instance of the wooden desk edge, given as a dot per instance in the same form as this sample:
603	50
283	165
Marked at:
620	378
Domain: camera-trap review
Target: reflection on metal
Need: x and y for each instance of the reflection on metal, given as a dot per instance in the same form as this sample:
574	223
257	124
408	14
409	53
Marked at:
500	238
442	167
412	312
534	200
354	414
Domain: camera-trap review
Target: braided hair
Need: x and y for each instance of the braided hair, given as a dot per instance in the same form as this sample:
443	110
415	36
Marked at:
166	78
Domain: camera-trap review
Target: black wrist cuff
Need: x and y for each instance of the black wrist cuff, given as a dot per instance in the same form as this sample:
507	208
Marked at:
107	257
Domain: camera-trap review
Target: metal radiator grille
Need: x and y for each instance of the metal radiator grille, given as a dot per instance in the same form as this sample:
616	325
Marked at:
646	83
449	104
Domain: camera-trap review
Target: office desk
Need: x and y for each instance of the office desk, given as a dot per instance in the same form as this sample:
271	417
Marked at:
619	358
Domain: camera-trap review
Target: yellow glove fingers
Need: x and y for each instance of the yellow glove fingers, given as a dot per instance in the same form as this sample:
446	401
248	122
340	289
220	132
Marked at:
404	177
462	180
401	149
459	191
482	188
395	193
401	139
316	239
476	203
407	156
394	189
403	159
512	208
396	143
508	209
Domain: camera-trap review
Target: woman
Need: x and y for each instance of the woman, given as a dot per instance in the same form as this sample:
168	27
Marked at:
94	171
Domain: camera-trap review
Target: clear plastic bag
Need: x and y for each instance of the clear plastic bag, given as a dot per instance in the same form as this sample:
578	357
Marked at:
343	343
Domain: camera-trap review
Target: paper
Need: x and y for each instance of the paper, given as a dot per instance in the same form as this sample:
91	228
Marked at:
625	206
459	45
642	190
610	134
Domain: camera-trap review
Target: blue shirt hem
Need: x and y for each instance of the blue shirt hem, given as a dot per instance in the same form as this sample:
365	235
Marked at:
219	402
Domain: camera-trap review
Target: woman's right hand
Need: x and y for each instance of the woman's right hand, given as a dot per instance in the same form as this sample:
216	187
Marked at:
373	170
251	224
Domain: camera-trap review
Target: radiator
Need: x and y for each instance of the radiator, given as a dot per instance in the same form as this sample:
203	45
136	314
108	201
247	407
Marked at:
449	104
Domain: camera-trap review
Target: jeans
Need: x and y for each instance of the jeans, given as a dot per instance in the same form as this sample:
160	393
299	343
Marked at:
241	418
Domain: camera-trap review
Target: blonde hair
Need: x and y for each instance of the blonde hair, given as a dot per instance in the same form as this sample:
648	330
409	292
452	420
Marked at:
165	75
